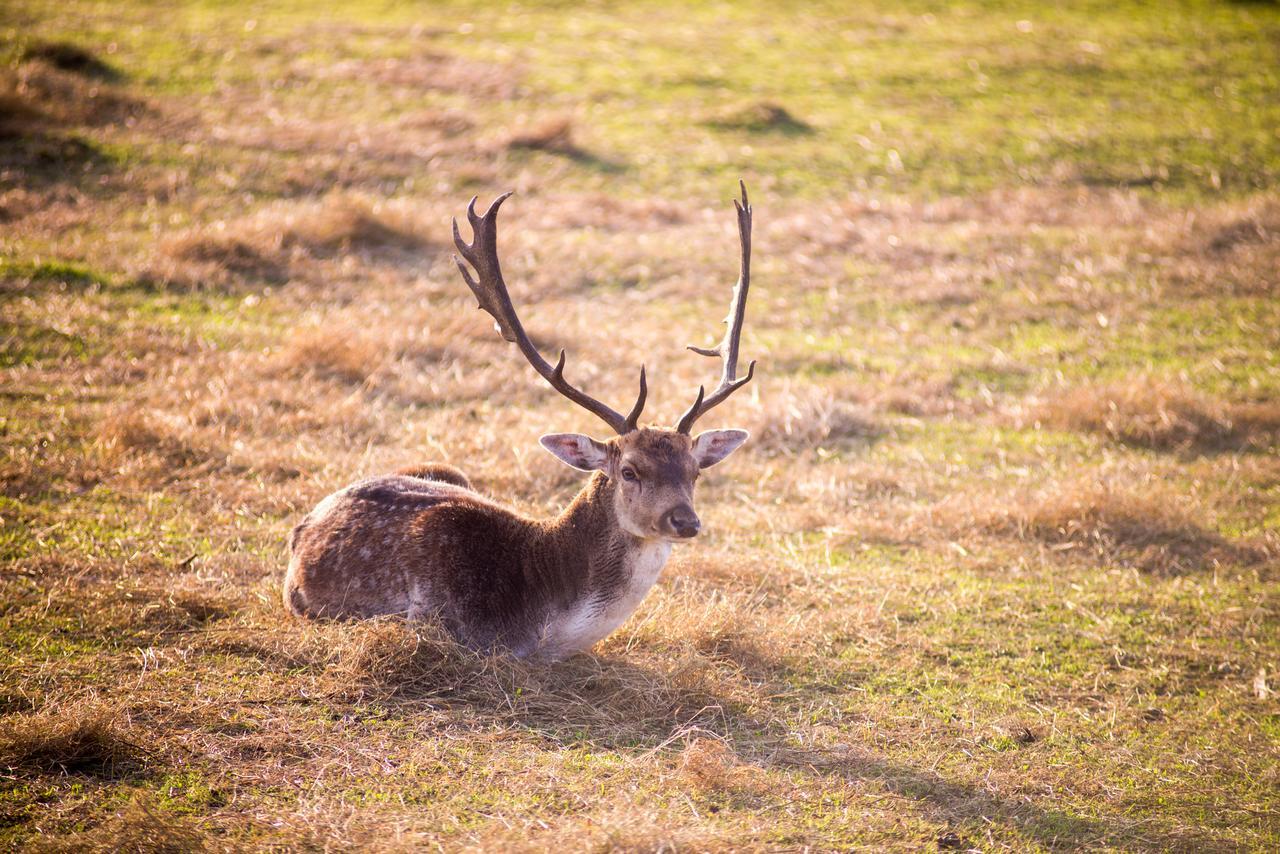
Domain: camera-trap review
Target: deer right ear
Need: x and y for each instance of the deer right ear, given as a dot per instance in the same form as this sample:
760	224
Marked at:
574	449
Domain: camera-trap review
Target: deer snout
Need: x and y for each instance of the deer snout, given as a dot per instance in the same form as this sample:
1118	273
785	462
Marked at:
681	521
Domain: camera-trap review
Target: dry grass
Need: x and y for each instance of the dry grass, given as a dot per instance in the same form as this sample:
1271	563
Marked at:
1227	248
796	421
278	243
708	763
79	739
759	117
345	353
46	94
553	134
426	71
1150	527
67	56
141	827
1150	412
161	439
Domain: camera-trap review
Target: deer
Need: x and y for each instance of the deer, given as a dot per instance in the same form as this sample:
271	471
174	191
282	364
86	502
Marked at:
422	543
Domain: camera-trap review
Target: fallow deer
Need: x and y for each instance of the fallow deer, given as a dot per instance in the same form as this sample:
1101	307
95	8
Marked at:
421	542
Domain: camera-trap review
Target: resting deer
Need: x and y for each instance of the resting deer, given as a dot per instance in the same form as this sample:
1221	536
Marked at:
422	542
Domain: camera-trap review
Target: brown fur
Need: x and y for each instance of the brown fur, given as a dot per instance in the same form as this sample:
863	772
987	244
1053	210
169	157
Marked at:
422	543
438	471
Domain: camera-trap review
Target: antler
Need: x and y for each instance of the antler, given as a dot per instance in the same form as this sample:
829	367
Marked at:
727	349
491	292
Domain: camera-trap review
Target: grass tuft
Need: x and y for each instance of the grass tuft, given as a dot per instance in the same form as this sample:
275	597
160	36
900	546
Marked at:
142	826
553	135
341	352
813	418
279	243
130	434
760	117
710	764
1153	529
1149	412
67	56
75	740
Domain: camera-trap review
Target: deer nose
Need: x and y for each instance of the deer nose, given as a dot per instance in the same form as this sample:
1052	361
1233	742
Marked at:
682	521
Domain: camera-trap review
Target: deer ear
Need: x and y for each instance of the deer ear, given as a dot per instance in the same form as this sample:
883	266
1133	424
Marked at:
581	452
712	446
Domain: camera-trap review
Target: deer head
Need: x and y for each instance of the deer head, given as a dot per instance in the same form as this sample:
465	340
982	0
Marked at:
654	468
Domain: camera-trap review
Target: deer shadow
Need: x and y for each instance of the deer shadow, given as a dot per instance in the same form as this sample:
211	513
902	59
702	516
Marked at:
610	703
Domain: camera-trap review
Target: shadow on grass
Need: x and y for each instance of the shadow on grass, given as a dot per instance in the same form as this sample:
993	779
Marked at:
615	704
37	159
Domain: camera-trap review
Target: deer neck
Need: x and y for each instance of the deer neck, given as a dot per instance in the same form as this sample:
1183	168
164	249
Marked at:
592	548
605	571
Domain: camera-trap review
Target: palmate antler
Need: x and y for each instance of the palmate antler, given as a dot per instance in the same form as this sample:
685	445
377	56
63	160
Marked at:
491	292
727	349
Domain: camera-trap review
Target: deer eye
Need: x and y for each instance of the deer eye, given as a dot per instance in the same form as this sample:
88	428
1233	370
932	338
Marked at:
629	474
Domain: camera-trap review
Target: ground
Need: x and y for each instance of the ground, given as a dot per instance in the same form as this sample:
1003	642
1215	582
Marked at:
998	569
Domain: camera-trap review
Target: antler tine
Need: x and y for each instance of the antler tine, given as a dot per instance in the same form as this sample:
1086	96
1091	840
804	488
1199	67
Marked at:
633	417
727	349
491	293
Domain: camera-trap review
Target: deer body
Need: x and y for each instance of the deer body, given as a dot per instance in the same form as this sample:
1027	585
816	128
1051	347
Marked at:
402	544
422	543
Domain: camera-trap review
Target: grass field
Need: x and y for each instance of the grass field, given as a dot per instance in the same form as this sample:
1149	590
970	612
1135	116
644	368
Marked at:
999	569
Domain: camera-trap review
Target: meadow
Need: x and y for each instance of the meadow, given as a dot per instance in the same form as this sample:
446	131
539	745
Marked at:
999	568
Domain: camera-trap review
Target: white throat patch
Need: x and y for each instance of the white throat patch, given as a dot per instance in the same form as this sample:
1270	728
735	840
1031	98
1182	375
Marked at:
589	620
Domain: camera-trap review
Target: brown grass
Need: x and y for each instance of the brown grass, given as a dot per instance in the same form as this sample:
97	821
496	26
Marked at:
394	660
864	649
426	71
759	116
709	763
49	95
132	433
71	740
347	223
67	56
554	135
1227	248
341	352
141	827
1153	528
278	243
795	421
1151	412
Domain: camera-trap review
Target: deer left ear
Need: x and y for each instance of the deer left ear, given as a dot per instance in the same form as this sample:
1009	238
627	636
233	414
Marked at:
712	446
